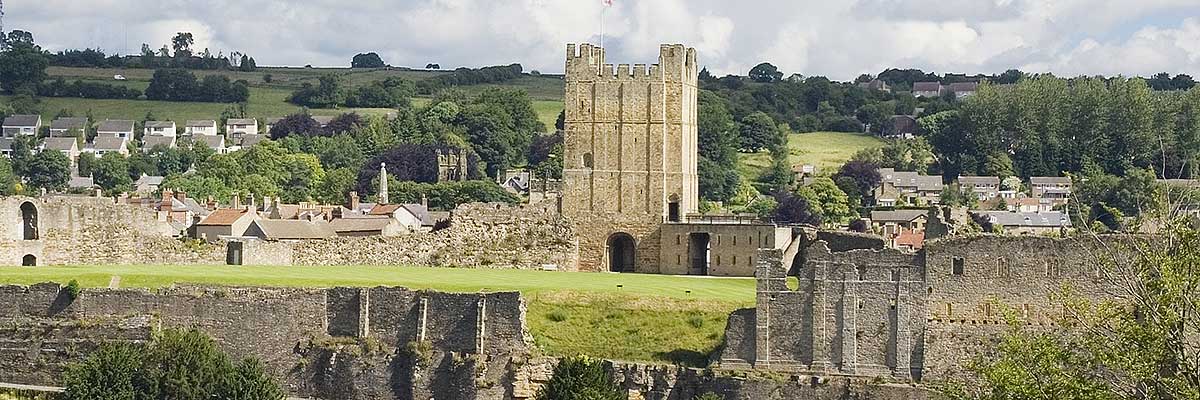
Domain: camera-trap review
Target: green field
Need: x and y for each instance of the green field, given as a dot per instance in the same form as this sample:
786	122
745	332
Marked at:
267	99
825	150
654	318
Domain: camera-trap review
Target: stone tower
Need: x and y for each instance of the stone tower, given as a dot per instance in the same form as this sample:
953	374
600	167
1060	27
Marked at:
629	153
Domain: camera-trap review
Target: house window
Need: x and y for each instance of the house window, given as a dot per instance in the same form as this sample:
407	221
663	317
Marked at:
958	266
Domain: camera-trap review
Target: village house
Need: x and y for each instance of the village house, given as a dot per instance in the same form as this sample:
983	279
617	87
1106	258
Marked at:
202	127
159	128
983	187
1030	205
890	223
224	222
81	182
926	89
372	225
270	124
245	142
6	145
413	217
68	146
116	127
69	127
1055	188
235	127
875	84
108	144
1026	223
907	186
962	90
909	240
147	184
214	142
150	142
289	229
175	207
901	127
25	125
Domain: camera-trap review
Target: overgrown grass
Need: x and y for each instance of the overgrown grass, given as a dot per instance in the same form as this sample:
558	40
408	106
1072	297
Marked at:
652	318
825	150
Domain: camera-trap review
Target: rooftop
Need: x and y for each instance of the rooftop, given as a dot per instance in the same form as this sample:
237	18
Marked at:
108	142
60	143
160	124
223	217
22	120
115	125
69	123
241	121
897	215
201	123
292	229
1027	219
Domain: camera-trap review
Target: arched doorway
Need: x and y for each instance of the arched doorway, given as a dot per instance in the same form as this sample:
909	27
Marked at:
29	260
29	224
621	249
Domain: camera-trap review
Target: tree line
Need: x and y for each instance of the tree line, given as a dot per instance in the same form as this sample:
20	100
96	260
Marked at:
179	54
331	91
470	76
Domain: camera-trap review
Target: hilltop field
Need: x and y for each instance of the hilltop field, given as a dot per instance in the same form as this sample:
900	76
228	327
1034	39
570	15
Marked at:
827	151
267	99
633	317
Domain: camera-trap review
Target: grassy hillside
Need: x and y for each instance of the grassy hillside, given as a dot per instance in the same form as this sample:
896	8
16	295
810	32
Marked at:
267	99
825	150
655	318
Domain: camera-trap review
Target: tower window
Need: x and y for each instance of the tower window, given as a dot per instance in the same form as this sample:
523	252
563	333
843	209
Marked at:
958	266
587	160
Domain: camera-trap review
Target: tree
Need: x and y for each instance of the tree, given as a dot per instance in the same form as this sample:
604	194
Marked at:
298	124
580	378
327	94
22	64
794	209
173	85
50	170
826	199
182	44
718	144
765	72
545	155
111	173
367	60
862	176
112	372
9	184
759	131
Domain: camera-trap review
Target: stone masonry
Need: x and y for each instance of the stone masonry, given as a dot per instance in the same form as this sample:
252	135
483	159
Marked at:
905	316
629	152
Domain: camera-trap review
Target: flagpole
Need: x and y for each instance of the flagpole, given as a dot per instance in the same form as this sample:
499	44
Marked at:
603	13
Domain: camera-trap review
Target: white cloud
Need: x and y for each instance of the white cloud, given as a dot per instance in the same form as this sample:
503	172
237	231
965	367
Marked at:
814	37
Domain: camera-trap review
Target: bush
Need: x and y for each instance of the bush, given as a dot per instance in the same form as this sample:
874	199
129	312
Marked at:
184	365
580	378
73	289
87	90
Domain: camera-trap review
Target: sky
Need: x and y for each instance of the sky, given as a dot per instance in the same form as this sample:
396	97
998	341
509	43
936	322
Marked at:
839	39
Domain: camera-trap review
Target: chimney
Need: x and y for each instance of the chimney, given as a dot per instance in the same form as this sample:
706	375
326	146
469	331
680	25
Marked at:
180	195
353	201
266	202
236	201
424	201
99	192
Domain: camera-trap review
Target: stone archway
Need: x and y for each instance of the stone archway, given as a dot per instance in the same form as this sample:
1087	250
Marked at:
29	221
29	260
621	252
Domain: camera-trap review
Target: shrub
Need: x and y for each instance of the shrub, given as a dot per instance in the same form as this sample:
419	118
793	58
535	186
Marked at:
696	321
73	289
580	378
184	365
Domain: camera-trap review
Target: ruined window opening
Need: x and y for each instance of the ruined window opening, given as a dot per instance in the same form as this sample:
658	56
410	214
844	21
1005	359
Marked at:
621	251
587	160
735	242
861	304
678	239
987	309
750	261
678	259
718	259
29	221
29	260
949	310
735	259
698	253
958	266
673	211
930	290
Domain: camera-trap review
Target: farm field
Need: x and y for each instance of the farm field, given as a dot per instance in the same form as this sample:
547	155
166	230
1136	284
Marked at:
267	99
651	318
825	150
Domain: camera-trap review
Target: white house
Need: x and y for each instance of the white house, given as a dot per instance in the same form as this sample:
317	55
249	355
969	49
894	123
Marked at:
160	128
926	89
200	127
27	125
68	126
241	126
116	127
108	144
68	146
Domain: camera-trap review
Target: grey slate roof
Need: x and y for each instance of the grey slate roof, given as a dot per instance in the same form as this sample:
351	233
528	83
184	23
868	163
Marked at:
6	144
897	215
205	123
979	180
251	140
80	182
241	121
363	224
1049	180
115	125
22	120
60	143
959	87
107	143
149	180
926	86
160	124
1050	219
215	142
149	142
290	229
421	212
69	123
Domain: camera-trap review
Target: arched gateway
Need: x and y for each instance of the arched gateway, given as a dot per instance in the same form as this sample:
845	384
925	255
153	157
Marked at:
621	248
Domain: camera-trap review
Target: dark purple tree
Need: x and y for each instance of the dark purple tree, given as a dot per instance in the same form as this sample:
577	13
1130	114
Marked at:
298	124
794	209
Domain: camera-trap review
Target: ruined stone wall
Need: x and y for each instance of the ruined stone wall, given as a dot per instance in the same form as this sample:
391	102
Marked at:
845	241
94	230
485	235
902	315
333	343
731	247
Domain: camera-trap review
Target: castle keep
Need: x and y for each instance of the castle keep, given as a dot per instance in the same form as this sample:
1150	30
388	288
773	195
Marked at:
629	153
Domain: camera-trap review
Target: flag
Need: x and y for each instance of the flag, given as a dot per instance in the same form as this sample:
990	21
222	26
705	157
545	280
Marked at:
607	3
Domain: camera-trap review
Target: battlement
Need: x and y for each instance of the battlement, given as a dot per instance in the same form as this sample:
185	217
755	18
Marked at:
587	63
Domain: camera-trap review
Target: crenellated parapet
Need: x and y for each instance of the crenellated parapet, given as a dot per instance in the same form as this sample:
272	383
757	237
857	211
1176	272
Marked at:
586	63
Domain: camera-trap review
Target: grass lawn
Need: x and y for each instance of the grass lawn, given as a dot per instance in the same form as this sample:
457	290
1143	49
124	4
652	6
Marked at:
631	317
825	150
